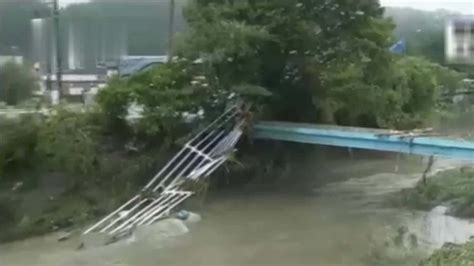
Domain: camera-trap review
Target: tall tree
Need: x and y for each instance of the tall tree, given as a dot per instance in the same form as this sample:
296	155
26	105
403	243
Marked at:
299	60
291	48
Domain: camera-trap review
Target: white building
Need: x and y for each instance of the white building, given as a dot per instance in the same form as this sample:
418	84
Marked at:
459	40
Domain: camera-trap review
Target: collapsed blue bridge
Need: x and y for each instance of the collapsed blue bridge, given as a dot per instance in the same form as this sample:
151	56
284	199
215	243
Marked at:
410	142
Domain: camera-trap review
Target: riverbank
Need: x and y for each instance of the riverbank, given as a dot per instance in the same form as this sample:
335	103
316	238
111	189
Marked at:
334	203
452	188
50	203
452	254
449	192
40	201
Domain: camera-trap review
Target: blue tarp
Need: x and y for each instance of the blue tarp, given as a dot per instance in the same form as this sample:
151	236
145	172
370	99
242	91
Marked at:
399	47
133	64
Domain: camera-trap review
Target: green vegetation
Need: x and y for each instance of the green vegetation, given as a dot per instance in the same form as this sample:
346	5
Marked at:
325	65
165	93
17	83
453	188
452	254
7	211
17	143
64	170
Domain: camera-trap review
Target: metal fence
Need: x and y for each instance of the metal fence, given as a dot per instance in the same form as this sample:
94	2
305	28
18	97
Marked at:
199	158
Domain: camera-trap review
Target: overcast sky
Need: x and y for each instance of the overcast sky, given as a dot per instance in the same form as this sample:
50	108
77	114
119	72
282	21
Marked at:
462	6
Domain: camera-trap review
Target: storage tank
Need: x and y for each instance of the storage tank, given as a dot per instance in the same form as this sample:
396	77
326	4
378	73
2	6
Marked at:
85	43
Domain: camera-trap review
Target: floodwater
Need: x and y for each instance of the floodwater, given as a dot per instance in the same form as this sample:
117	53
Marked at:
343	222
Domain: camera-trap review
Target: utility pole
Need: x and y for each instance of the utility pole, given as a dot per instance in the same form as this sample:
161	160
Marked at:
57	35
170	31
49	86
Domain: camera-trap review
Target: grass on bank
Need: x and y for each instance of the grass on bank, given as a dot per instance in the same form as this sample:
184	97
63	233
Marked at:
452	188
452	254
117	178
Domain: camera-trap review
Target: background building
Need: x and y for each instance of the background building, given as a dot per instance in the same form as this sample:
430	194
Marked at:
459	40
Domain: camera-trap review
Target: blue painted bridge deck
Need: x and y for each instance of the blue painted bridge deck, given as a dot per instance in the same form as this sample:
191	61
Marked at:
365	138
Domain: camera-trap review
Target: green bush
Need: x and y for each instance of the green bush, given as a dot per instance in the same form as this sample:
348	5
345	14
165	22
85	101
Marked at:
8	211
452	254
65	142
165	93
68	143
17	83
114	101
454	188
18	141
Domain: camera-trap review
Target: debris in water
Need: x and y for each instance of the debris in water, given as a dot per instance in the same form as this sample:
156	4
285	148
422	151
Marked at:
17	186
63	236
182	215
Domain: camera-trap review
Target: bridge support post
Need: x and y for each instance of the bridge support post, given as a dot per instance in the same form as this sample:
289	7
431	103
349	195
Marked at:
428	169
397	163
351	153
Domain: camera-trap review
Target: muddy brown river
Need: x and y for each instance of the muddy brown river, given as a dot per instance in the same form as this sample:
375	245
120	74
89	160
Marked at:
343	222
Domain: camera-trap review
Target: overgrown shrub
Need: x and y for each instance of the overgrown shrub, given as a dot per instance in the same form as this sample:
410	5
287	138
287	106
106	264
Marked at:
453	188
166	94
8	211
452	254
18	141
67	142
17	83
114	101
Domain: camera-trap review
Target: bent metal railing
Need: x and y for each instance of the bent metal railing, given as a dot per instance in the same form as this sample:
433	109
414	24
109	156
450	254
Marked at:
199	157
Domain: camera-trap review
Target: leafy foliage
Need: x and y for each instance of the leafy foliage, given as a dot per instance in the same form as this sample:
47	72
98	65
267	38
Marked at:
330	59
64	142
114	101
17	83
67	142
282	46
167	94
452	254
8	212
18	140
